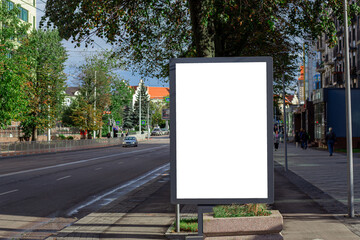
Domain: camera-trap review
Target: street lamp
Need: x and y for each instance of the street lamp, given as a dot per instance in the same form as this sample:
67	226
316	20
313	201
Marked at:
351	210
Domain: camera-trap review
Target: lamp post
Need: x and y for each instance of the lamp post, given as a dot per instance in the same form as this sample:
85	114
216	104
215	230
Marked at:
94	132
351	211
285	138
140	109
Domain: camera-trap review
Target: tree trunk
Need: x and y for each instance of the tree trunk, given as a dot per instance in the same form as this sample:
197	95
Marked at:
202	27
34	134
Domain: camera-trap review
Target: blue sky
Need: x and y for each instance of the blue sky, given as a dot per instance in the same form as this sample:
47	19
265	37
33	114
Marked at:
77	57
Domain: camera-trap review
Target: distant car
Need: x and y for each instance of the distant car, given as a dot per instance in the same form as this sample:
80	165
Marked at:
130	141
156	132
165	131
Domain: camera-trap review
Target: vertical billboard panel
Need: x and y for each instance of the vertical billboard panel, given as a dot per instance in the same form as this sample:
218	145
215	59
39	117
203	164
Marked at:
221	131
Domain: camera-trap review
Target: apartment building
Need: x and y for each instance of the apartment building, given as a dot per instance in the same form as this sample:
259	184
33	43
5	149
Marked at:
331	64
27	10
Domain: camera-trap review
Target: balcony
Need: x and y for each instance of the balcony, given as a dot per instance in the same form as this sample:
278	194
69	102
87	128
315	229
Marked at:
320	47
339	33
328	60
353	73
338	77
339	56
320	67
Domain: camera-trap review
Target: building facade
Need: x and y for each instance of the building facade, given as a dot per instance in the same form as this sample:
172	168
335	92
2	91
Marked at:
27	10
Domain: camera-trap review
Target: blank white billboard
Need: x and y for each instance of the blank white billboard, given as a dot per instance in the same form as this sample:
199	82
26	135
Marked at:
221	146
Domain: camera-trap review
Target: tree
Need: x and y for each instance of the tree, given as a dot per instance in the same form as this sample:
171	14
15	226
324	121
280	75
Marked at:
13	100
94	98
157	107
129	116
45	77
86	117
67	113
143	97
148	33
121	96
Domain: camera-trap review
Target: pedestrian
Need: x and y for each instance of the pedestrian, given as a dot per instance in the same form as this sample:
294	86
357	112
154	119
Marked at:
330	139
301	137
276	137
297	138
304	138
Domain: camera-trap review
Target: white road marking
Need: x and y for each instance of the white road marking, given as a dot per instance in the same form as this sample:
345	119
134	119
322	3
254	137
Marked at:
1	194
130	185
59	179
78	162
120	163
97	169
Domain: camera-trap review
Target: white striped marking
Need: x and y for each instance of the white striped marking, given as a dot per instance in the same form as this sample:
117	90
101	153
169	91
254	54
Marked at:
78	162
1	194
59	179
96	169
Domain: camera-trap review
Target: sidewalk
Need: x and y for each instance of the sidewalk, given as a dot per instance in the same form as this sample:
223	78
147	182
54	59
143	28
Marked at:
147	213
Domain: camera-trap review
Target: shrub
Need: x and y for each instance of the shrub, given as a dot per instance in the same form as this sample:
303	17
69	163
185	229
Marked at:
70	138
247	210
62	137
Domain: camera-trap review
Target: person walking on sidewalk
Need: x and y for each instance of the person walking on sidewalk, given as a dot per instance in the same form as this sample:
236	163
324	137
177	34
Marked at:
297	138
276	137
330	139
303	139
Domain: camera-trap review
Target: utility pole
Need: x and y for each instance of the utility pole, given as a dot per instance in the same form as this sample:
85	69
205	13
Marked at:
95	107
140	85
285	138
304	60
351	210
49	125
147	121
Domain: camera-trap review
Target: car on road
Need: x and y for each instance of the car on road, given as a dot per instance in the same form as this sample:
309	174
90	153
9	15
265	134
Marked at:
156	132
130	141
165	131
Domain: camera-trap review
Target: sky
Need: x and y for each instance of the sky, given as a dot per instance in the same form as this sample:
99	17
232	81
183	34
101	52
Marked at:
77	57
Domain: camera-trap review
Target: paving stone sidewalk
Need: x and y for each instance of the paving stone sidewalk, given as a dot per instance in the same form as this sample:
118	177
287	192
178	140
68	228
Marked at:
323	178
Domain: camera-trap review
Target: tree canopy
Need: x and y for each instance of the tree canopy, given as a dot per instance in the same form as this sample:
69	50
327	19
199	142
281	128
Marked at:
147	33
45	78
13	100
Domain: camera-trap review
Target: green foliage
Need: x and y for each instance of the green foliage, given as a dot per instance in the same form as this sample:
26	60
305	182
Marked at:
95	86
234	210
147	33
45	78
121	96
13	100
70	138
67	112
129	118
143	97
187	225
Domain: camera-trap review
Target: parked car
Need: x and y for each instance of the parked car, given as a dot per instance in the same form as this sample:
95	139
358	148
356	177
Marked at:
130	141
156	132
165	131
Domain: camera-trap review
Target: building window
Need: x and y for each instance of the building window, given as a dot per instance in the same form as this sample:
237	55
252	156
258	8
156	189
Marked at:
24	14
34	23
10	5
34	2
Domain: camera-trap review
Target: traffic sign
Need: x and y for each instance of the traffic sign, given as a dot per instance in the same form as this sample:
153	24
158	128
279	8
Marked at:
143	122
167	99
118	122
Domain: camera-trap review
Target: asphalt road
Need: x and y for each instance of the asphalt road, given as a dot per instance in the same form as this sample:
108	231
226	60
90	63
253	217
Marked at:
49	185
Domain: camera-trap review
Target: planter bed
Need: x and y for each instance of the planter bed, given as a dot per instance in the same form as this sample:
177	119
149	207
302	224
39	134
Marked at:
244	228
